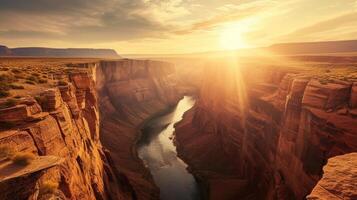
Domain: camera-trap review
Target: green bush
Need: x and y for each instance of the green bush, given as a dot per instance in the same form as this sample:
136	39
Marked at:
22	158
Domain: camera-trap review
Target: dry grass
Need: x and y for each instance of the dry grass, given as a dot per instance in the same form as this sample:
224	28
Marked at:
8	103
48	187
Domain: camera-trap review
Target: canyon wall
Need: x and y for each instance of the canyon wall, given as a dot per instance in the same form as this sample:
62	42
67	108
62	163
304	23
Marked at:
65	126
60	127
132	91
266	133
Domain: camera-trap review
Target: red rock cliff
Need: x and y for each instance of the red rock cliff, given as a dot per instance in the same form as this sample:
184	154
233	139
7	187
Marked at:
132	91
60	127
266	134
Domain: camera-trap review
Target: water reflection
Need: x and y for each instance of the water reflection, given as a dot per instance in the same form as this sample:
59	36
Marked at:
157	150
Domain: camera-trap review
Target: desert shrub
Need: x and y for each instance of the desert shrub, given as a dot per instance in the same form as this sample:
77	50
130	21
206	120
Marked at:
42	81
9	103
6	78
41	100
48	187
22	158
15	71
6	152
62	83
4	69
4	93
32	78
19	76
16	87
30	82
35	74
323	82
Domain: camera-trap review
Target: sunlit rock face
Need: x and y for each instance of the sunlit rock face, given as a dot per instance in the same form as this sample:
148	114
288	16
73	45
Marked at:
62	128
269	139
132	91
338	180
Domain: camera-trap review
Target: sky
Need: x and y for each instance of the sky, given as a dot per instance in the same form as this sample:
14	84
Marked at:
173	26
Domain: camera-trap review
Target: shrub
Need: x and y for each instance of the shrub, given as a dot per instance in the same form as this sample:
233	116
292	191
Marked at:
18	87
48	187
42	81
30	82
41	100
32	78
35	74
9	103
4	69
62	83
4	93
6	152
19	76
15	71
5	78
23	159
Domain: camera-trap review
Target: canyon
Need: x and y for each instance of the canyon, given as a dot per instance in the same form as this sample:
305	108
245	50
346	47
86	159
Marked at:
265	132
256	131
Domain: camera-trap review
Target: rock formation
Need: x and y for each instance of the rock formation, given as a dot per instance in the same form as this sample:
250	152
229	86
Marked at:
339	179
131	92
51	52
63	123
266	134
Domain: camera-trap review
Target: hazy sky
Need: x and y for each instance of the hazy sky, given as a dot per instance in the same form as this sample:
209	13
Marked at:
173	26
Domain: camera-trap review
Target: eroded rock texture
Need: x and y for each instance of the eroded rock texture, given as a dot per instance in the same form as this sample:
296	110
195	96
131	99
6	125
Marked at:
339	179
61	124
266	134
131	91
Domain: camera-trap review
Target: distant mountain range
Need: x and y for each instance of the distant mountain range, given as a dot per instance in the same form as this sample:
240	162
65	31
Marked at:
302	48
345	46
55	52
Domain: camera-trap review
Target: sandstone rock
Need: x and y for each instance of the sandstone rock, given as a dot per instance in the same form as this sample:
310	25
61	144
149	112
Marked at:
22	113
328	96
52	99
339	179
353	99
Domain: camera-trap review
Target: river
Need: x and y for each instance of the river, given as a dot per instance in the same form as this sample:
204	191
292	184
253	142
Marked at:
158	152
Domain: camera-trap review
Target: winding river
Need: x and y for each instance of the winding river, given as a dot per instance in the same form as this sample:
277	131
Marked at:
158	152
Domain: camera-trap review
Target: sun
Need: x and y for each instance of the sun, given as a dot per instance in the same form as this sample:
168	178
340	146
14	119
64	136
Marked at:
231	37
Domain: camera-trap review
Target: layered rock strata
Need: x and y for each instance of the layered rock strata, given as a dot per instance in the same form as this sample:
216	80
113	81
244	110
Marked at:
131	92
267	135
61	128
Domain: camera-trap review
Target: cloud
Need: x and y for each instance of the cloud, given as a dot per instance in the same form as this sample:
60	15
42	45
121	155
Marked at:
87	20
326	25
230	12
